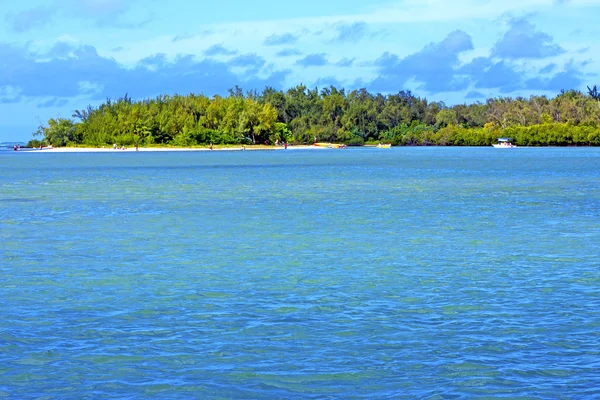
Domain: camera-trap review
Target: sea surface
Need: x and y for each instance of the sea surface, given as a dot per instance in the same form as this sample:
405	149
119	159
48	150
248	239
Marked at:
434	273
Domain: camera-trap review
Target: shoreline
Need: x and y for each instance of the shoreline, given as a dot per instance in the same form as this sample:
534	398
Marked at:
163	149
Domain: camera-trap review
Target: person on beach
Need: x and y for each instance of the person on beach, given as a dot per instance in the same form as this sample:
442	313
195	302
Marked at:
285	146
114	146
211	145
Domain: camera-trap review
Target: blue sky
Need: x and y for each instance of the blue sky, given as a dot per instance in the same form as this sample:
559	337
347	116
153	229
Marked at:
58	56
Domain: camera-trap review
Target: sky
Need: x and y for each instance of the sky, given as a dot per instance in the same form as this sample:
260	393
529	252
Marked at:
57	56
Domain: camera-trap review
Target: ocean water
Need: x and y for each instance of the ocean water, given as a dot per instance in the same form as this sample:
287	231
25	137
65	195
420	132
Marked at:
437	273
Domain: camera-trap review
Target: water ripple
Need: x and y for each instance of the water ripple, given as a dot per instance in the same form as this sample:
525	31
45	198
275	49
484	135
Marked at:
410	273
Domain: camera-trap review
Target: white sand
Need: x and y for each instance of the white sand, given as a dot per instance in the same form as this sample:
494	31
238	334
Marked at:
146	149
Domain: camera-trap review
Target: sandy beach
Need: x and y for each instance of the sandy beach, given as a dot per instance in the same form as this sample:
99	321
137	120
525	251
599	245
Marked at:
164	149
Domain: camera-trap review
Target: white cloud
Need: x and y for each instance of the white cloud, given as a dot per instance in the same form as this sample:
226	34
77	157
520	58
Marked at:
9	93
89	88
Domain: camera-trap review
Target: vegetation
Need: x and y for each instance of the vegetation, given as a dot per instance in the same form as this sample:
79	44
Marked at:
299	115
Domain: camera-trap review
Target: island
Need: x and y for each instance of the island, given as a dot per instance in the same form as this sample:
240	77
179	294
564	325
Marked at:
303	116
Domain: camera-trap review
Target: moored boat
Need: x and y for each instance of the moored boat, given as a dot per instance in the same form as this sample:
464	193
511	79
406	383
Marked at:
384	145
504	143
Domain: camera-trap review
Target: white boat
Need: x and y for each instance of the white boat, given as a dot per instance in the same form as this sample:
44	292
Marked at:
504	143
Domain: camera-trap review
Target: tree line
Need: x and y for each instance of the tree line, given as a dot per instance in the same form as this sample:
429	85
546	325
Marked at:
301	115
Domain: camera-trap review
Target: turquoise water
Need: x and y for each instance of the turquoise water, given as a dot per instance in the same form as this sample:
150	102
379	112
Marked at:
358	273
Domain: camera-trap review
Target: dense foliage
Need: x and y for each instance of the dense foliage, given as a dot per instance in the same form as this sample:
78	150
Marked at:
301	115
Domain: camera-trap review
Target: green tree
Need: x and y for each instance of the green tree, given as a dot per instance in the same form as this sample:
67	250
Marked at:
446	117
59	132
